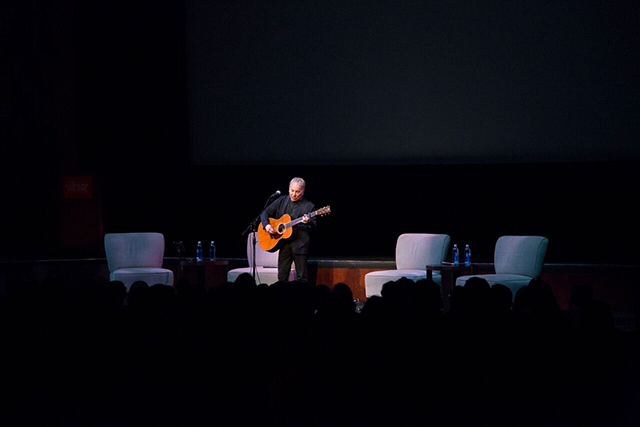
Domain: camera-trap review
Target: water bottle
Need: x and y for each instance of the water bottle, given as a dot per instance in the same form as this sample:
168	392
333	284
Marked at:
358	305
212	251
199	251
456	255
467	255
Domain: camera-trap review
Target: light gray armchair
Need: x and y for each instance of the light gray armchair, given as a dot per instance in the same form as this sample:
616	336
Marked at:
136	256
413	253
517	260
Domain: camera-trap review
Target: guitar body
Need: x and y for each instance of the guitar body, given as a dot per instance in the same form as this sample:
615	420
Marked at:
269	242
284	229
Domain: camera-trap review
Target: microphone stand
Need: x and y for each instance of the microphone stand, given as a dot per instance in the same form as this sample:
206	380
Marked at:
253	228
180	248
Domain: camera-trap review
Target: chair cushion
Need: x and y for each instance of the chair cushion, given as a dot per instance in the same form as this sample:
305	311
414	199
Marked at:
374	281
151	276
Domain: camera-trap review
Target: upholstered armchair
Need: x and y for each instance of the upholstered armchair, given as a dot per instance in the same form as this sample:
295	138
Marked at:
517	260
136	256
413	253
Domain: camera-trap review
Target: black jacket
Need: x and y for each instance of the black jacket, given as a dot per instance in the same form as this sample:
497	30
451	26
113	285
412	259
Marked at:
300	239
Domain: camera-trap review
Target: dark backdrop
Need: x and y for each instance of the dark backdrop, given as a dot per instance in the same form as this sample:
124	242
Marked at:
102	89
396	82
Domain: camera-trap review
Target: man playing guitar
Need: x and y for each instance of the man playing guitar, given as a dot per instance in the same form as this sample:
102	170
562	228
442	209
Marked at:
295	248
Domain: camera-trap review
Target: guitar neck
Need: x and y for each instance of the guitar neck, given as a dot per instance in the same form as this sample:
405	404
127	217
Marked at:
299	220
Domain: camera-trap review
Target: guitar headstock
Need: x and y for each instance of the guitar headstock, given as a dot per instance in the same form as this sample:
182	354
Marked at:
324	211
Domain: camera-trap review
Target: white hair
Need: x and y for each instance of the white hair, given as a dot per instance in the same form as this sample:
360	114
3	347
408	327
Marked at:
299	181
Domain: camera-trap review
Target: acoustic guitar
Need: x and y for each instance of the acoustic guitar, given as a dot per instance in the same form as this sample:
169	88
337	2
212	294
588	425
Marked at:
284	229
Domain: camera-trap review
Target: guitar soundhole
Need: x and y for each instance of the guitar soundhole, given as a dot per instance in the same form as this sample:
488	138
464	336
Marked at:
281	229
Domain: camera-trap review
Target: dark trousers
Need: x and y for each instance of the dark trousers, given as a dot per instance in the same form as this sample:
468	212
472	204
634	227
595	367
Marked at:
285	258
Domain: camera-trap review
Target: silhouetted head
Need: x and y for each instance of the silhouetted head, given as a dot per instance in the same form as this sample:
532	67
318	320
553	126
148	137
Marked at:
321	295
477	295
522	300
428	295
399	290
456	300
343	291
137	292
389	289
116	292
501	298
341	300
373	307
245	280
542	297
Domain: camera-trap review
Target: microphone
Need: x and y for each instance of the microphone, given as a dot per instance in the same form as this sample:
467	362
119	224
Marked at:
179	247
271	197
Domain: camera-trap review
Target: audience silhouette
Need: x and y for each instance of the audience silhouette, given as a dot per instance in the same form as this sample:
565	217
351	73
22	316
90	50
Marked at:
291	354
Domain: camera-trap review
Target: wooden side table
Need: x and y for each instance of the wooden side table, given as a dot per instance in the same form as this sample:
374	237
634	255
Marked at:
449	273
205	273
